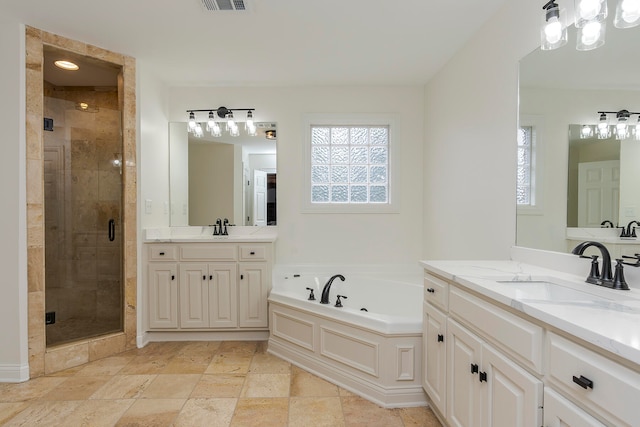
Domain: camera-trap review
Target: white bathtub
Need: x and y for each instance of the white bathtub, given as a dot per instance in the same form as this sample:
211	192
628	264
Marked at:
375	353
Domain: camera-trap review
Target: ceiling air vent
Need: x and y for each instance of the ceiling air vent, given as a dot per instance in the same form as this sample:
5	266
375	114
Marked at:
215	5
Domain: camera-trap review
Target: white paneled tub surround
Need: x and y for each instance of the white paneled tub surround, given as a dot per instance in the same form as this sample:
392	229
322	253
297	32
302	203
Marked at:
375	353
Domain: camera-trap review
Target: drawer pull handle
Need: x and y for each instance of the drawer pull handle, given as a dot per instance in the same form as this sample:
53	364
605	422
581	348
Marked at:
173	277
252	253
204	277
242	277
483	377
474	368
431	290
583	382
211	277
161	253
440	338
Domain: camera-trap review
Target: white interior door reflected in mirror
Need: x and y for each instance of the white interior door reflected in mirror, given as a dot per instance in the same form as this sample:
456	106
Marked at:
259	198
598	192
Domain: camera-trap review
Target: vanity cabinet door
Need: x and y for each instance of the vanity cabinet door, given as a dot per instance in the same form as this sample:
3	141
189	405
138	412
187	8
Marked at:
435	353
511	397
463	384
223	295
194	295
253	292
163	295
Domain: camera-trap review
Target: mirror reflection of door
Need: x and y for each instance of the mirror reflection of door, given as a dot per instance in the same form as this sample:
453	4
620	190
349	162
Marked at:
259	198
598	192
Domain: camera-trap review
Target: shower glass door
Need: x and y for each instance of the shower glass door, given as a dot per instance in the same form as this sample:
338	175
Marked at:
83	210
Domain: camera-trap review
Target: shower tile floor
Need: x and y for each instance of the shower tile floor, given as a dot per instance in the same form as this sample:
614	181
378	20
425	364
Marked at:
229	383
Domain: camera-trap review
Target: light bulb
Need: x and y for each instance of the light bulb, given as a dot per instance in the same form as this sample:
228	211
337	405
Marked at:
553	31
591	33
211	123
192	120
249	118
586	132
589	9
630	10
198	131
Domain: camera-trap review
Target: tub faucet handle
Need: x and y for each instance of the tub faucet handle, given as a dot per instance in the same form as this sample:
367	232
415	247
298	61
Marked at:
311	296
338	301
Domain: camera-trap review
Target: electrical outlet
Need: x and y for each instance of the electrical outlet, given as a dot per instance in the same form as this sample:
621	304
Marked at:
50	318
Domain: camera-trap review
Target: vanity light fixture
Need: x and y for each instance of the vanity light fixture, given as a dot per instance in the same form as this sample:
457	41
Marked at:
590	22
554	27
622	128
603	127
225	116
66	65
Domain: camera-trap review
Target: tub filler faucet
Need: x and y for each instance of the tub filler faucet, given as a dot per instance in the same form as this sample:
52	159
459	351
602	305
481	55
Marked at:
325	291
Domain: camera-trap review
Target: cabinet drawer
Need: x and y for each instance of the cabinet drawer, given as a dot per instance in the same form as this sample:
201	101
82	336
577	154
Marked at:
253	253
436	291
600	383
163	253
216	252
517	337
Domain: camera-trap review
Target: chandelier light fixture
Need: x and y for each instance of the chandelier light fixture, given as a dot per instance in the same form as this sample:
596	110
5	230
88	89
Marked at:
217	117
590	22
623	128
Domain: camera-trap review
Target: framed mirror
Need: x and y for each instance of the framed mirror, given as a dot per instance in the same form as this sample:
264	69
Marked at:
231	177
566	87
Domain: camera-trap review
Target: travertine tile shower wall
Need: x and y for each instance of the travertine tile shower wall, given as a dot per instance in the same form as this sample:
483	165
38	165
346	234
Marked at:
83	191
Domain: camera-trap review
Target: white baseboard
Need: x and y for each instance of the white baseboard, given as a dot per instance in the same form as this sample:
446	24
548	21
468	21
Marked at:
14	373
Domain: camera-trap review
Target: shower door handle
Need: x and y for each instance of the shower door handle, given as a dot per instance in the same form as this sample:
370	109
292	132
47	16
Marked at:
112	230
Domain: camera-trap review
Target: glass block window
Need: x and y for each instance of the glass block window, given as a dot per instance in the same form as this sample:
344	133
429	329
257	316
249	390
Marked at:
525	193
349	164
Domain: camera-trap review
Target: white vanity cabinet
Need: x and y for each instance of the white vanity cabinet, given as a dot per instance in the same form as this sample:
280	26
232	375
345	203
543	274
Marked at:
468	380
507	366
208	286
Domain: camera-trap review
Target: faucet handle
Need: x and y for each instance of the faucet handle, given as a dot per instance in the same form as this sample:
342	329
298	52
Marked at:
618	277
311	296
594	274
632	264
338	302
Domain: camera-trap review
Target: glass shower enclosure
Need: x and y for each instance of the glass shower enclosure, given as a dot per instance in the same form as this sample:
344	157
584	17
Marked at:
83	202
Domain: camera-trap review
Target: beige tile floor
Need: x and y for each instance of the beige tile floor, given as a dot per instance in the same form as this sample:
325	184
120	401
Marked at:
194	384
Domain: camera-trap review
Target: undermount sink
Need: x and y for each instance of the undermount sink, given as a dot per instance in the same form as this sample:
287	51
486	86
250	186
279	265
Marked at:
548	291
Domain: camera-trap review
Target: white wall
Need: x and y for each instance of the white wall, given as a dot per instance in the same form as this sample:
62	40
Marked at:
333	238
13	245
470	131
557	109
153	160
179	173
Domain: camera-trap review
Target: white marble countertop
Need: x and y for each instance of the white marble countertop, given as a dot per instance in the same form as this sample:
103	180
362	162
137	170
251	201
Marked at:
607	318
204	234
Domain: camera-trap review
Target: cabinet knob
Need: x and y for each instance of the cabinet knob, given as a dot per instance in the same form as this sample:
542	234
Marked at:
583	382
474	368
431	290
440	338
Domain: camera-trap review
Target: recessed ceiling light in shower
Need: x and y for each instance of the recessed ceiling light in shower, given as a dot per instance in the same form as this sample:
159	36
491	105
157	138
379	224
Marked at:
66	65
